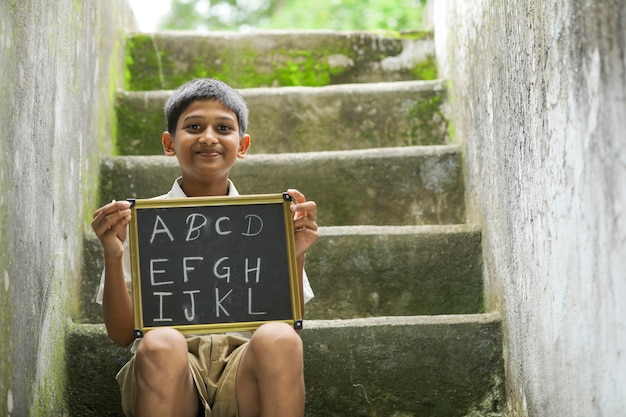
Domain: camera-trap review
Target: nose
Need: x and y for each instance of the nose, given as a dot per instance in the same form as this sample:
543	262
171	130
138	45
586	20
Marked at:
208	136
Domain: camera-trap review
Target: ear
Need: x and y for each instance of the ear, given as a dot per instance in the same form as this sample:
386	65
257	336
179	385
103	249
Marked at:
168	144
244	145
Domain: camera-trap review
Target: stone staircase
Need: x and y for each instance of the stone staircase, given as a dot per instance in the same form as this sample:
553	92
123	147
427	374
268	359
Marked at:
356	121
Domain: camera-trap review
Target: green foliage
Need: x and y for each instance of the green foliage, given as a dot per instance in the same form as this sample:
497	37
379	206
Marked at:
294	14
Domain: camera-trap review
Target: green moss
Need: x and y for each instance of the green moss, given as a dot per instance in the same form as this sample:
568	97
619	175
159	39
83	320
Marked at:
416	35
429	121
153	67
426	70
289	68
78	6
49	386
404	34
144	63
129	62
139	126
306	69
493	402
451	132
114	129
451	99
75	18
116	81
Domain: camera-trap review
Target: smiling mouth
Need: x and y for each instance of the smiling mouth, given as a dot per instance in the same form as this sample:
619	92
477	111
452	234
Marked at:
208	153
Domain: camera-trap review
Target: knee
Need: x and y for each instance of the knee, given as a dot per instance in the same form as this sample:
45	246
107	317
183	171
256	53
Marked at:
277	339
162	349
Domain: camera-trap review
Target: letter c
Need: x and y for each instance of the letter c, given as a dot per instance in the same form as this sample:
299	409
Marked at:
218	228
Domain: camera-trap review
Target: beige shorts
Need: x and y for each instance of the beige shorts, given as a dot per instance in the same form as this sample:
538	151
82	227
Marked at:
214	360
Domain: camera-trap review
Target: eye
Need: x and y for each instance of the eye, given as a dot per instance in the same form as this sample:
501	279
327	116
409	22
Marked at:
224	128
194	127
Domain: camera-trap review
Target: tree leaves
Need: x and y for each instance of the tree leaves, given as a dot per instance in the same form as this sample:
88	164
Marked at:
294	14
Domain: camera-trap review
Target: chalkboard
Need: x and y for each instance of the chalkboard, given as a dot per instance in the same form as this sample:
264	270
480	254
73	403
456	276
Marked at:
213	264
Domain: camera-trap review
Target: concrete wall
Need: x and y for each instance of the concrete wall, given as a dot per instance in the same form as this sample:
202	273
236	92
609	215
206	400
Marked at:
539	100
60	64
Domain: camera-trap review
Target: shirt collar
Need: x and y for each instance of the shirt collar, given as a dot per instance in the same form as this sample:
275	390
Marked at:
177	192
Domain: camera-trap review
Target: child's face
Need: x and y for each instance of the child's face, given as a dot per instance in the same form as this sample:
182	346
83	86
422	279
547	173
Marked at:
206	142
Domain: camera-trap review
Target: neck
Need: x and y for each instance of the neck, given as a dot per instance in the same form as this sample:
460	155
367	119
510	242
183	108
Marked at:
192	189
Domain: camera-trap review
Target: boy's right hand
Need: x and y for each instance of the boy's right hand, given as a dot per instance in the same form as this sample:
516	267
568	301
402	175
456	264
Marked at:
110	225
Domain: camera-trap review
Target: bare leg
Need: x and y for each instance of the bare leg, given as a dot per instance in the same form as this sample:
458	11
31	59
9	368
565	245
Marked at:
165	386
270	380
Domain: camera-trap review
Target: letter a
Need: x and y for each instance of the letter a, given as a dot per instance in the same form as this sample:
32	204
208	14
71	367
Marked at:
156	229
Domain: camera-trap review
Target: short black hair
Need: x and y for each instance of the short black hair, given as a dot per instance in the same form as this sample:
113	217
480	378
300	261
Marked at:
205	89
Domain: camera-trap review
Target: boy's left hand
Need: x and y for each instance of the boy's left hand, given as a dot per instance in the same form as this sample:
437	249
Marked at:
304	221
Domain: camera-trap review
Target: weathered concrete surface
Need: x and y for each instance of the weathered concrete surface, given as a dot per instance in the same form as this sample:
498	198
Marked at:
93	264
368	271
163	61
304	119
439	366
93	360
365	271
384	186
540	102
61	63
436	366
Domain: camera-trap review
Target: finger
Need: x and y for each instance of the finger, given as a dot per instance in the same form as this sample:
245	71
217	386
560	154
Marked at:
109	218
298	199
108	221
111	207
112	237
97	213
308	208
121	229
296	195
305	223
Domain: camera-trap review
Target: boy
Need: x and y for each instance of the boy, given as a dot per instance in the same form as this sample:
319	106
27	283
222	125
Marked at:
213	375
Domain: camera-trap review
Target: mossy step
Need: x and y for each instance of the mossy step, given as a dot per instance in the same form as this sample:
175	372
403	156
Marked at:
362	271
304	119
368	271
162	61
439	366
436	366
383	186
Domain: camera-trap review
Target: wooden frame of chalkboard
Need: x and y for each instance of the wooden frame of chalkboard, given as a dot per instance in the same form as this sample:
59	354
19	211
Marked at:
213	264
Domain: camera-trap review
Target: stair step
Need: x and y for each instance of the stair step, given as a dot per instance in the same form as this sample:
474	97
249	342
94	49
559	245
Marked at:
404	366
305	119
384	186
164	60
444	366
364	271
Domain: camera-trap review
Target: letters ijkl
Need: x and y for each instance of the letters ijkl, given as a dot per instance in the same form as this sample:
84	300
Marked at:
207	265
